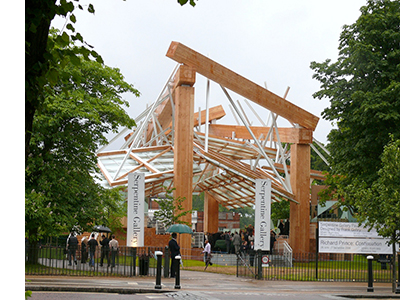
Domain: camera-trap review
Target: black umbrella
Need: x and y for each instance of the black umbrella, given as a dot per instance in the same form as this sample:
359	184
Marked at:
101	228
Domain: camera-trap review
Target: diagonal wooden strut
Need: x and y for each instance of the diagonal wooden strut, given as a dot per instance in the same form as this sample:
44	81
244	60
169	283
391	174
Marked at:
241	85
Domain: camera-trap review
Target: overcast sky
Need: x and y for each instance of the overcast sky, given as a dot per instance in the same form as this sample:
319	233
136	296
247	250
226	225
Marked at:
264	41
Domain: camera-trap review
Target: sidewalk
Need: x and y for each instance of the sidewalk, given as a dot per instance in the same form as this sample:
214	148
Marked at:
205	282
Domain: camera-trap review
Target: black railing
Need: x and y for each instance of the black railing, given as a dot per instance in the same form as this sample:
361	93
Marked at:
310	267
129	261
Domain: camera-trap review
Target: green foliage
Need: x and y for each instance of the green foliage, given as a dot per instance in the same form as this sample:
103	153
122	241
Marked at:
280	210
379	205
79	109
316	161
183	2
363	87
198	202
247	215
40	70
171	209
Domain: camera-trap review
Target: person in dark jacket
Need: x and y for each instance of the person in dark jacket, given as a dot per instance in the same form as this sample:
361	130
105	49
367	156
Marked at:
84	253
227	237
174	250
92	249
105	250
72	246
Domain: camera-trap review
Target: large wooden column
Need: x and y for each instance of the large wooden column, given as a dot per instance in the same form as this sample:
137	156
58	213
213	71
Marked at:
183	143
211	215
299	236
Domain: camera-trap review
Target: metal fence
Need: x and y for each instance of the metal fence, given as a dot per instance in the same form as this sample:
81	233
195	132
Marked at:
141	261
129	261
314	267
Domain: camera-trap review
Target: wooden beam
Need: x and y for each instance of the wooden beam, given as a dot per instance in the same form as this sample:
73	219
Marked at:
239	84
314	174
183	152
299	236
164	117
185	76
215	113
286	135
210	213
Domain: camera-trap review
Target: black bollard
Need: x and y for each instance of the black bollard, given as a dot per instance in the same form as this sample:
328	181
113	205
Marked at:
370	275
159	255
166	262
177	272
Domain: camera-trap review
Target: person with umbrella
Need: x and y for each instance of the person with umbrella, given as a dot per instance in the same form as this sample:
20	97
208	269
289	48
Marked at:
105	250
174	250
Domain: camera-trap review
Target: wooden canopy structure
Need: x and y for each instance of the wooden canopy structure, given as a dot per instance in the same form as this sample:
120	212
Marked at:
169	146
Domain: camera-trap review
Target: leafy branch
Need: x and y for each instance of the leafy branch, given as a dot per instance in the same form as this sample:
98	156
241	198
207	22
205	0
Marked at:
171	209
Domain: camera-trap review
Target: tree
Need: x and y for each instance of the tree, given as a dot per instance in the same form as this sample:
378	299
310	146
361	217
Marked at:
379	205
170	209
363	87
61	189
39	70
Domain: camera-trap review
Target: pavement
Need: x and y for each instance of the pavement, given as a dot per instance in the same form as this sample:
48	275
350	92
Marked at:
207	283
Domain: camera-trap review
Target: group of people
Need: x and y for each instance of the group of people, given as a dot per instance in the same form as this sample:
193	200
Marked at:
242	241
109	249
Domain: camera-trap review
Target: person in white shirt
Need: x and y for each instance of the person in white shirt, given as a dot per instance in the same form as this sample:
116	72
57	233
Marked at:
114	250
207	254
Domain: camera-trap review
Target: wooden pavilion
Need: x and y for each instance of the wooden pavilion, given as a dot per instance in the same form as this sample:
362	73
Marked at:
224	161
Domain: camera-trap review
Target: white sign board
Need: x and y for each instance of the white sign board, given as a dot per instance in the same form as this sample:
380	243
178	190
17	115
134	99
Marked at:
135	226
345	229
344	237
262	224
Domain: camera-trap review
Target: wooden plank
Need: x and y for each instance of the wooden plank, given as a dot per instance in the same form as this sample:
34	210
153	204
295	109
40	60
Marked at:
164	117
314	174
112	152
215	113
286	135
239	84
244	169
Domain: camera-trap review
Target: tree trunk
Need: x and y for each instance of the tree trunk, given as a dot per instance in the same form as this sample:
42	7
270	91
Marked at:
38	16
394	264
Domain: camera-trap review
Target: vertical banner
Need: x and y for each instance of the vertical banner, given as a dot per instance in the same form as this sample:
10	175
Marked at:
262	224
135	226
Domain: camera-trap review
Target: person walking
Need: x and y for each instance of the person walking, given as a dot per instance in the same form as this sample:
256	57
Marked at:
72	246
174	250
207	254
237	241
114	246
92	249
105	250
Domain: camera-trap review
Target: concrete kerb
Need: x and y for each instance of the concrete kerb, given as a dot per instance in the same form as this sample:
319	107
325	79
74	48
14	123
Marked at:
78	289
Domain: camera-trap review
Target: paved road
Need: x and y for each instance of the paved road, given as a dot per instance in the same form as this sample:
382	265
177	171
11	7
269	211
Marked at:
200	286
